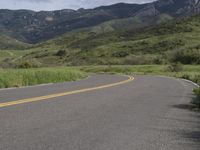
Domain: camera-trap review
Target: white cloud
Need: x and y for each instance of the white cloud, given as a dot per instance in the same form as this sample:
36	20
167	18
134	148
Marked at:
60	4
32	0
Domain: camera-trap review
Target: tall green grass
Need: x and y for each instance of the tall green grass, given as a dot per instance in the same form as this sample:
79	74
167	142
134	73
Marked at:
190	72
187	70
26	77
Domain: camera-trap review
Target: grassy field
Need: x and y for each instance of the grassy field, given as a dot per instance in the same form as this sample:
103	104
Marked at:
26	77
191	72
12	54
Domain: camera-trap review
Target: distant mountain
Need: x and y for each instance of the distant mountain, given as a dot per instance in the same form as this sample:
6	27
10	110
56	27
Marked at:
32	27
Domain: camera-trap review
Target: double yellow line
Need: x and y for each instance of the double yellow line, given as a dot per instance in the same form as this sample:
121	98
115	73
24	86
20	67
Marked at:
48	97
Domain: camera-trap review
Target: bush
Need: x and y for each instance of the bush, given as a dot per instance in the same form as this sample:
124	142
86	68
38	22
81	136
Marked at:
158	60
191	56
168	44
186	76
61	53
25	65
196	79
29	64
197	91
197	100
120	54
138	60
176	67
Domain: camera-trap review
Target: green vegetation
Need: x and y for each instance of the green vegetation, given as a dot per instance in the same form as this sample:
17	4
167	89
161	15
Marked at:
172	42
7	42
126	45
171	49
26	77
197	100
191	72
176	67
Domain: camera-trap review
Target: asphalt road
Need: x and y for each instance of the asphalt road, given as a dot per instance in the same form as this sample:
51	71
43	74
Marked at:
148	113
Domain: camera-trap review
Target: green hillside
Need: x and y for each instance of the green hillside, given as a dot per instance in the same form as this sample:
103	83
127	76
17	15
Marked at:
175	41
7	42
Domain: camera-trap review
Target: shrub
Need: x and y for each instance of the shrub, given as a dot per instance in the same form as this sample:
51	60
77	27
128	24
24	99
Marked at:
120	54
196	79
191	56
175	67
25	65
61	53
197	91
197	100
138	60
186	76
158	60
29	64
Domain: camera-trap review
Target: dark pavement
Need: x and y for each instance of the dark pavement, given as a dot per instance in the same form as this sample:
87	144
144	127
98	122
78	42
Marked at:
149	113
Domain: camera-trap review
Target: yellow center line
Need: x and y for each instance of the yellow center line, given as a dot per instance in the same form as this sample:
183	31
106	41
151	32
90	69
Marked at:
48	97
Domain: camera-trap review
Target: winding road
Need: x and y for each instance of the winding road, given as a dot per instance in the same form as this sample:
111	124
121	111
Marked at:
102	112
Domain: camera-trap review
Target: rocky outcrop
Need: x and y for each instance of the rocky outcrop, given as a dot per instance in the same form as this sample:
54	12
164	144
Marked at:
148	11
179	8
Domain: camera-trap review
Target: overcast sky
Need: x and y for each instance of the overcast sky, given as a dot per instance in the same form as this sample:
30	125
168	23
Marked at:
60	4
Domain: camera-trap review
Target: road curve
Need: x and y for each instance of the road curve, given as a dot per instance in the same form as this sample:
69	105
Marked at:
148	113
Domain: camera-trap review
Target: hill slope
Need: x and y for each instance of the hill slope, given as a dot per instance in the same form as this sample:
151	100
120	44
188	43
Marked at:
33	27
7	42
175	41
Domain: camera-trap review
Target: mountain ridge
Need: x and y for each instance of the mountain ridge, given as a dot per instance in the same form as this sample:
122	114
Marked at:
33	27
